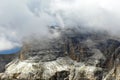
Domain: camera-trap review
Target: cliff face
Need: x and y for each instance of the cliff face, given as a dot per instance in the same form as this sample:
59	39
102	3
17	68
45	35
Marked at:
75	55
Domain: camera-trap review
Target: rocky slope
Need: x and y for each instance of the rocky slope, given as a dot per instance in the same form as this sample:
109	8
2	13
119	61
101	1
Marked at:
77	54
5	59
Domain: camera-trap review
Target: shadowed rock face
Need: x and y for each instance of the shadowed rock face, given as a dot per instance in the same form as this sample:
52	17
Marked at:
5	59
77	54
63	75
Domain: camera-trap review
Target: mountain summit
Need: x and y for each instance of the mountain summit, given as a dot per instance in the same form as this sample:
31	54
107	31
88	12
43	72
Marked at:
76	54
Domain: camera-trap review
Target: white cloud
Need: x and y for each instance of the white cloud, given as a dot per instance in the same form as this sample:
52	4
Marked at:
8	40
5	44
25	17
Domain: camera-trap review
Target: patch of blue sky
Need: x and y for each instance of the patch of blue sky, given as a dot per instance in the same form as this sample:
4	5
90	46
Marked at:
11	51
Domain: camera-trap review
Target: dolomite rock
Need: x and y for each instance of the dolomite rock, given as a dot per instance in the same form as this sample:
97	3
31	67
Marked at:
75	55
49	70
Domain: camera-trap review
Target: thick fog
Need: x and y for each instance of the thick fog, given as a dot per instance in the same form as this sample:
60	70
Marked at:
23	18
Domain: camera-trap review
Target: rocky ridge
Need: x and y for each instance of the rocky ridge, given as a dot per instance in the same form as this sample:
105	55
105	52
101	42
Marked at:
76	55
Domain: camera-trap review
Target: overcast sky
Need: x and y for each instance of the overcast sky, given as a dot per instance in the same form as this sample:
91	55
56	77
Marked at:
19	18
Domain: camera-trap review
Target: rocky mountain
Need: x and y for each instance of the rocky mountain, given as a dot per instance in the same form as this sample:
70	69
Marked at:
77	54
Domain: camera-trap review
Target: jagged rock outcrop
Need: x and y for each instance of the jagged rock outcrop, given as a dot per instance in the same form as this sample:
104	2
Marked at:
63	68
76	55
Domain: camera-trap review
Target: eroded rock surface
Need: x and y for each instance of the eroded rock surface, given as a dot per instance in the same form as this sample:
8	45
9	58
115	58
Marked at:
75	55
63	68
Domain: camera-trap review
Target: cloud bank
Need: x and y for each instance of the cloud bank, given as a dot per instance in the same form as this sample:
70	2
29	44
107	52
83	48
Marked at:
21	18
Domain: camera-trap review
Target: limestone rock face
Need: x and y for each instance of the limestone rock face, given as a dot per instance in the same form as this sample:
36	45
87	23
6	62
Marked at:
76	55
60	69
